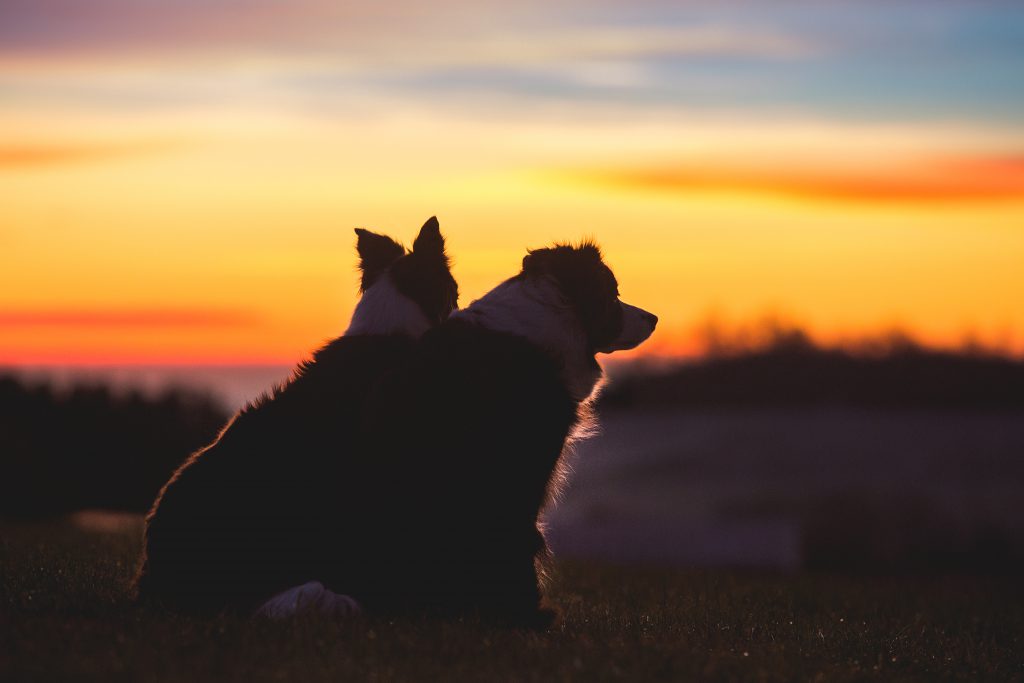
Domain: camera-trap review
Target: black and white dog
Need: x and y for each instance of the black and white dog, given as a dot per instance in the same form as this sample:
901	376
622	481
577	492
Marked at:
462	447
247	517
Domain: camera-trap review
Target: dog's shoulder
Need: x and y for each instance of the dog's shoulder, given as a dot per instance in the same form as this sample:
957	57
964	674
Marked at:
342	370
354	359
465	383
472	363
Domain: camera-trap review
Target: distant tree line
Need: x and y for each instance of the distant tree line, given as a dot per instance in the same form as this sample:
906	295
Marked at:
789	369
91	447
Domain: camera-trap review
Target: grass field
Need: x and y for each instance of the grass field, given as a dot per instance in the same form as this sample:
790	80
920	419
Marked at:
65	614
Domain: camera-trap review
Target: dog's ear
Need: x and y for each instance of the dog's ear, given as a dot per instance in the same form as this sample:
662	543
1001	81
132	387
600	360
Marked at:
376	254
430	242
538	261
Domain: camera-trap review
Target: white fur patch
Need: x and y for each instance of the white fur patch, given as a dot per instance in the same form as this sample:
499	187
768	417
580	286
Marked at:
384	310
309	598
538	311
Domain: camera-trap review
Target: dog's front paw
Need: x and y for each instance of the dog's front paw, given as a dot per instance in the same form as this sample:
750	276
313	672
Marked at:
309	598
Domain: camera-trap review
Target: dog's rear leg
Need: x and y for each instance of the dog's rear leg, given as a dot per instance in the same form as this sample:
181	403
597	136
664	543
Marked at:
309	598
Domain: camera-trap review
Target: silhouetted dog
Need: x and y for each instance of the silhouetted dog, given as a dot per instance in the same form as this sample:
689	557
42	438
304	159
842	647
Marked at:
438	514
247	516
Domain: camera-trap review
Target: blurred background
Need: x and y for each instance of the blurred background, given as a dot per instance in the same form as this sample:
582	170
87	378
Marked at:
823	202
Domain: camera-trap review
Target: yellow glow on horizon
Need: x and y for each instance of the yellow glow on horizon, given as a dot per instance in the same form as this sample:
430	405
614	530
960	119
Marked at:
255	214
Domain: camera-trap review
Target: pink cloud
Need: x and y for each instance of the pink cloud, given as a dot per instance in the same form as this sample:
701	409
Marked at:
107	318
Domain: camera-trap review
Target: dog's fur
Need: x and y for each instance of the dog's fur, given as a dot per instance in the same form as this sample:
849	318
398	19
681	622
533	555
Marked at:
463	441
249	516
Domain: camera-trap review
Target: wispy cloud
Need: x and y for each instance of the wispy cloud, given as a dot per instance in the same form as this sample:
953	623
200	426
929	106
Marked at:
863	60
947	179
55	28
554	46
120	318
345	34
18	156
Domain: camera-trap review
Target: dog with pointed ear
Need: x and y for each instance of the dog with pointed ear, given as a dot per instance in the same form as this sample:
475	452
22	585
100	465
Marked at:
464	442
403	291
244	522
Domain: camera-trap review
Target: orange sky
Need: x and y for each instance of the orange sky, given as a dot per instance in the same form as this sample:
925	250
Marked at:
158	209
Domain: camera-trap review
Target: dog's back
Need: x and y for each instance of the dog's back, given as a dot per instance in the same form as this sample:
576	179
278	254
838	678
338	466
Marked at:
463	449
239	521
247	516
467	438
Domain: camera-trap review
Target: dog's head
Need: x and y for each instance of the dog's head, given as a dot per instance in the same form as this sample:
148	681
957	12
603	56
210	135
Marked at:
590	288
403	291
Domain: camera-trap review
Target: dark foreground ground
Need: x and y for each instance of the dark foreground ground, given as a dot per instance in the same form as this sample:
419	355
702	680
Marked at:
64	614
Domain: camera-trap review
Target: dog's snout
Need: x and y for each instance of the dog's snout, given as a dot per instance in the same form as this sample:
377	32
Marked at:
652	319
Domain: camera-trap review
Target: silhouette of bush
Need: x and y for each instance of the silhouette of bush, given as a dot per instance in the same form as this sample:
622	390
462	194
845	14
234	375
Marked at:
90	447
792	371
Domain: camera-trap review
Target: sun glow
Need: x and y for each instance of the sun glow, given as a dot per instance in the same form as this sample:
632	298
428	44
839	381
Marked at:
200	209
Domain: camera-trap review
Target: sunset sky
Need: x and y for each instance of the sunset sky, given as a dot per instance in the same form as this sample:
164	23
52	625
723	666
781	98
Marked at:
179	180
